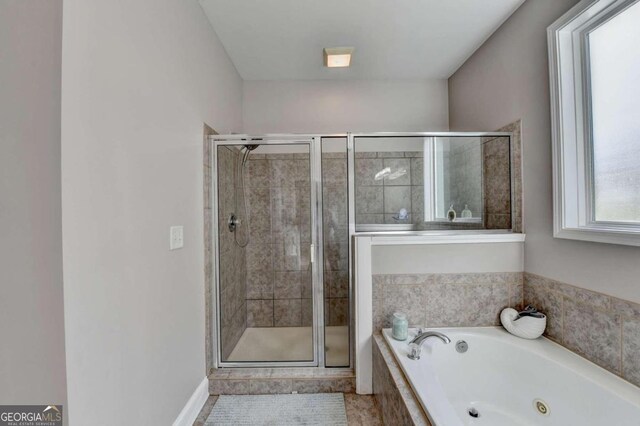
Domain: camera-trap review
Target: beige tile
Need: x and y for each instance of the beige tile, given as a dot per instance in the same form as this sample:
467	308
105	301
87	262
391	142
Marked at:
259	285
625	308
362	410
631	350
338	311
400	168
366	170
401	279
417	171
584	296
409	299
206	411
306	312
594	334
287	313
259	257
270	386
537	293
417	200
229	387
498	221
391	154
396	198
324	385
365	218
379	282
258	173
260	313
287	285
338	282
369	199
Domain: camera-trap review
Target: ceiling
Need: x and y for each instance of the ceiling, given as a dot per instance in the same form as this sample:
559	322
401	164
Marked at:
283	39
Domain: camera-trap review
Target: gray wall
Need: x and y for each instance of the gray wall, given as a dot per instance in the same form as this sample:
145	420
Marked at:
338	106
138	82
32	358
507	79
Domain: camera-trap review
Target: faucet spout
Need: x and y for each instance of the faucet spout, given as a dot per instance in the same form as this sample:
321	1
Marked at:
415	344
424	336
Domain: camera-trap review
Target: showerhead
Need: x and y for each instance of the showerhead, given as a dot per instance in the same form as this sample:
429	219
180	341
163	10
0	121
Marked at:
248	149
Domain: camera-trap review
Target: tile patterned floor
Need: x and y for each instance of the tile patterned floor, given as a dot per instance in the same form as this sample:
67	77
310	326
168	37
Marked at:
362	410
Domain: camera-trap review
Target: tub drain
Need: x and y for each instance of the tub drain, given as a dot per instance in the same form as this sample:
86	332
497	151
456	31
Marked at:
541	406
473	413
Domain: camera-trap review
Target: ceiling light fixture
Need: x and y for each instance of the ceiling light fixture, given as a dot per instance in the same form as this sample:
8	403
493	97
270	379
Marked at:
335	57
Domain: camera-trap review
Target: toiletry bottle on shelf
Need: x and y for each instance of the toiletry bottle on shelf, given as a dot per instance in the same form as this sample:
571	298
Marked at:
466	213
400	326
451	214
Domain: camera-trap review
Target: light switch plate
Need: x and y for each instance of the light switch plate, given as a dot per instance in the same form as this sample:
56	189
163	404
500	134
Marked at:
176	237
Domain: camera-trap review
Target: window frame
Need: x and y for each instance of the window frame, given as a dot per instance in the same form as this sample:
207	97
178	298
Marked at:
572	129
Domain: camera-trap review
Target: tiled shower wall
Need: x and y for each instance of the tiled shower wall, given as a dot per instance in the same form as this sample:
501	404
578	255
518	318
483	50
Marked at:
278	292
233	271
465	177
502	176
336	238
445	300
378	201
497	182
601	328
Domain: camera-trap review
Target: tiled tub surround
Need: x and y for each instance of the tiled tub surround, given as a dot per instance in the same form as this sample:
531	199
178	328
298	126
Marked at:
232	270
601	328
398	404
445	300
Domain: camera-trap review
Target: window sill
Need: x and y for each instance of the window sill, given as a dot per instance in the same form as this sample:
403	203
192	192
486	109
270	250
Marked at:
599	236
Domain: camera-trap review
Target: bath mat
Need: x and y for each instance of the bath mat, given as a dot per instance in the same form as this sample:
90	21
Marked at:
291	409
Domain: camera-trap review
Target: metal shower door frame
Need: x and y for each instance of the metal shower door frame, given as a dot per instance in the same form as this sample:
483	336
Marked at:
316	255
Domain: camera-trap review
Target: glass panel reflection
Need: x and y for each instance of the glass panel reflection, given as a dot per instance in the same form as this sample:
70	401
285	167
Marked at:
421	183
336	251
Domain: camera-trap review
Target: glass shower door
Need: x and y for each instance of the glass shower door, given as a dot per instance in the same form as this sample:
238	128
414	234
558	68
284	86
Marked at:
265	270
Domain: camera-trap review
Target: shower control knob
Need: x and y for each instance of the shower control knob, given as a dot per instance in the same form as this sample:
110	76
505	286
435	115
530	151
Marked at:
234	222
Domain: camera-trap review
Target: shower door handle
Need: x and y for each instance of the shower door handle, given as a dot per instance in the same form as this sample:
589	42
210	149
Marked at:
312	253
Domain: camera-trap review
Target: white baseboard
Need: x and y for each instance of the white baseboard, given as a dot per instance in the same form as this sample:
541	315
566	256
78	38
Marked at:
190	412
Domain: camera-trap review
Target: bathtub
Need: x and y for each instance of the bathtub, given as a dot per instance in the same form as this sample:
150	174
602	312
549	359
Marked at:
505	380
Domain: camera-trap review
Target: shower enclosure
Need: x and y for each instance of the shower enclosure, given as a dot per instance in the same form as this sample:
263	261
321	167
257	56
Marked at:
285	208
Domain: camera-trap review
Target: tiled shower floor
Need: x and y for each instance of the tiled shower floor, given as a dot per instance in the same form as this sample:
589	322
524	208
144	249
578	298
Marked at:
290	344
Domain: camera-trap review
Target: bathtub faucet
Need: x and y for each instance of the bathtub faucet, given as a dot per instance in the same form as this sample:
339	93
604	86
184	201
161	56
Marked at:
415	345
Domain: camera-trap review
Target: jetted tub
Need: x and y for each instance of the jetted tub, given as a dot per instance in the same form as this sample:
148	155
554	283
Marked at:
505	380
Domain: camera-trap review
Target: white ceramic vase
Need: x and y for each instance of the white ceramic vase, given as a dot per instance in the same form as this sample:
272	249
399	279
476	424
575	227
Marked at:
525	327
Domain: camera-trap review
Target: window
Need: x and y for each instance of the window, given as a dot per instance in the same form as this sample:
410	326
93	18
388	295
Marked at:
594	54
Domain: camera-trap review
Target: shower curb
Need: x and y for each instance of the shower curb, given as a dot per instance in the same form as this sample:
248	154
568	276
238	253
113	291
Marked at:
260	381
